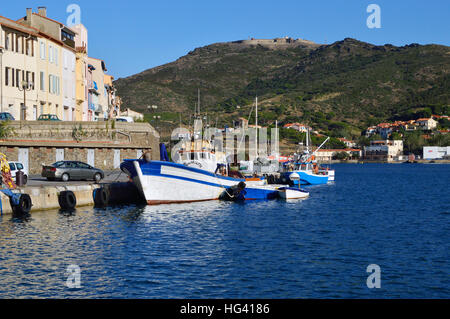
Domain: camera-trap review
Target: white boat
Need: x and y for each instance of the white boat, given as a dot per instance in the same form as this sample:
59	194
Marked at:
292	193
167	182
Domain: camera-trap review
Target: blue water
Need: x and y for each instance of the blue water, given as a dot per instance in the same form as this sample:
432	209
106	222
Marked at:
396	216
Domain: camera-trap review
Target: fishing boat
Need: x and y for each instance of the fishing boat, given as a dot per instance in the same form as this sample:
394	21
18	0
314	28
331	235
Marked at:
166	183
307	167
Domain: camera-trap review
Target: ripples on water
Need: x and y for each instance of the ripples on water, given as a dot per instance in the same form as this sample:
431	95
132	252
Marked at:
396	216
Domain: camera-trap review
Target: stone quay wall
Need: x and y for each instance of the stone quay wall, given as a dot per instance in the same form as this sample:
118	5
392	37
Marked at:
101	144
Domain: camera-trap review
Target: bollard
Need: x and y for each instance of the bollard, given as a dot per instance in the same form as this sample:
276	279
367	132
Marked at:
20	178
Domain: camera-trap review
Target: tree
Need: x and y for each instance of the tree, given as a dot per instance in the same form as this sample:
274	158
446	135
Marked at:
363	141
341	156
376	137
414	143
5	129
395	136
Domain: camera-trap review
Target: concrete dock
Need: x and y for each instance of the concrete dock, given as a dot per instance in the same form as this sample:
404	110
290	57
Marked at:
45	195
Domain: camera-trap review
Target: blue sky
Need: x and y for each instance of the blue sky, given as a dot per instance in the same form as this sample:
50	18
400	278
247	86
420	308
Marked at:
132	36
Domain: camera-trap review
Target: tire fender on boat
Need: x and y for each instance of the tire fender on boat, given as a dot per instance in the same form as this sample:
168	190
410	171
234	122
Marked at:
101	197
24	205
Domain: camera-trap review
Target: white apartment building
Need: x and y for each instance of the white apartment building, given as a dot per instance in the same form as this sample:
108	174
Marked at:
55	63
69	85
385	150
18	50
435	152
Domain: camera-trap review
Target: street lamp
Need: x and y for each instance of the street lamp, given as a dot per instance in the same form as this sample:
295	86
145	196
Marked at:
157	118
152	107
1	78
25	86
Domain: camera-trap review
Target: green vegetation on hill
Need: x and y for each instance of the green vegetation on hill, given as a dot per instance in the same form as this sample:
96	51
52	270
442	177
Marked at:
338	89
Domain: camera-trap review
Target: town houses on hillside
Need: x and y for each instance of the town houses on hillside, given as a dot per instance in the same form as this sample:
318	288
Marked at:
45	69
386	129
298	127
385	150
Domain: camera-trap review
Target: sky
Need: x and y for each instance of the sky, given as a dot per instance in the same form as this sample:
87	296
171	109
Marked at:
132	36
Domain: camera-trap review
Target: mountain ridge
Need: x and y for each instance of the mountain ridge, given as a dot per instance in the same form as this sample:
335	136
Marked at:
348	82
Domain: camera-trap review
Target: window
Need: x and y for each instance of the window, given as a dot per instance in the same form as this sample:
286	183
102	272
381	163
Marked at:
7	39
30	47
12	166
54	85
50	83
42	81
84	165
50	53
17	77
19	166
7	76
42	50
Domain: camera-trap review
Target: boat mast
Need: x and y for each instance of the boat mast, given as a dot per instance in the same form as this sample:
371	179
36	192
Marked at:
256	128
198	103
277	155
307	139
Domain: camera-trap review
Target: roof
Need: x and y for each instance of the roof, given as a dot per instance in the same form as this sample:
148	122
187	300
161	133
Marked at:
60	23
17	26
295	124
423	120
339	150
45	35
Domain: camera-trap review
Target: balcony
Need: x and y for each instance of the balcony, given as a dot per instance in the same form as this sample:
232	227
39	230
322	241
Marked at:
68	42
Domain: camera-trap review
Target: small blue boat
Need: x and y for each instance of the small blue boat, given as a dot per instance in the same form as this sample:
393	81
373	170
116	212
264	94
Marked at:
307	177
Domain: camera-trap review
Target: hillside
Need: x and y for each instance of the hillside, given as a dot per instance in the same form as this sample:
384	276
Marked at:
338	88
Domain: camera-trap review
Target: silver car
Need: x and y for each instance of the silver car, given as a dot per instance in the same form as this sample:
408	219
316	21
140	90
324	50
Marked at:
72	170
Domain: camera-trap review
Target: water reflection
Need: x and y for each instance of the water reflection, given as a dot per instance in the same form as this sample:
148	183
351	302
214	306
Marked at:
318	247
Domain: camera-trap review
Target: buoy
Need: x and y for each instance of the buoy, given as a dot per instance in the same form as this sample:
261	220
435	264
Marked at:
24	205
67	200
101	197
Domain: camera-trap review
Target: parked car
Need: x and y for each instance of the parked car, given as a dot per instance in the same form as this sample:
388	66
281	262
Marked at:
49	117
5	116
15	167
72	170
128	119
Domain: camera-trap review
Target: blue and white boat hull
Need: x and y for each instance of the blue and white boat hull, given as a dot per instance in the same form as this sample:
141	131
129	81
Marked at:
167	182
308	177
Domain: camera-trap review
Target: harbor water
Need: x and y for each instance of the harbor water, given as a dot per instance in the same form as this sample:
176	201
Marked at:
394	216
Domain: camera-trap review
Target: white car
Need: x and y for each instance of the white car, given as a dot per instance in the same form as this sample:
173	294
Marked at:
15	167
